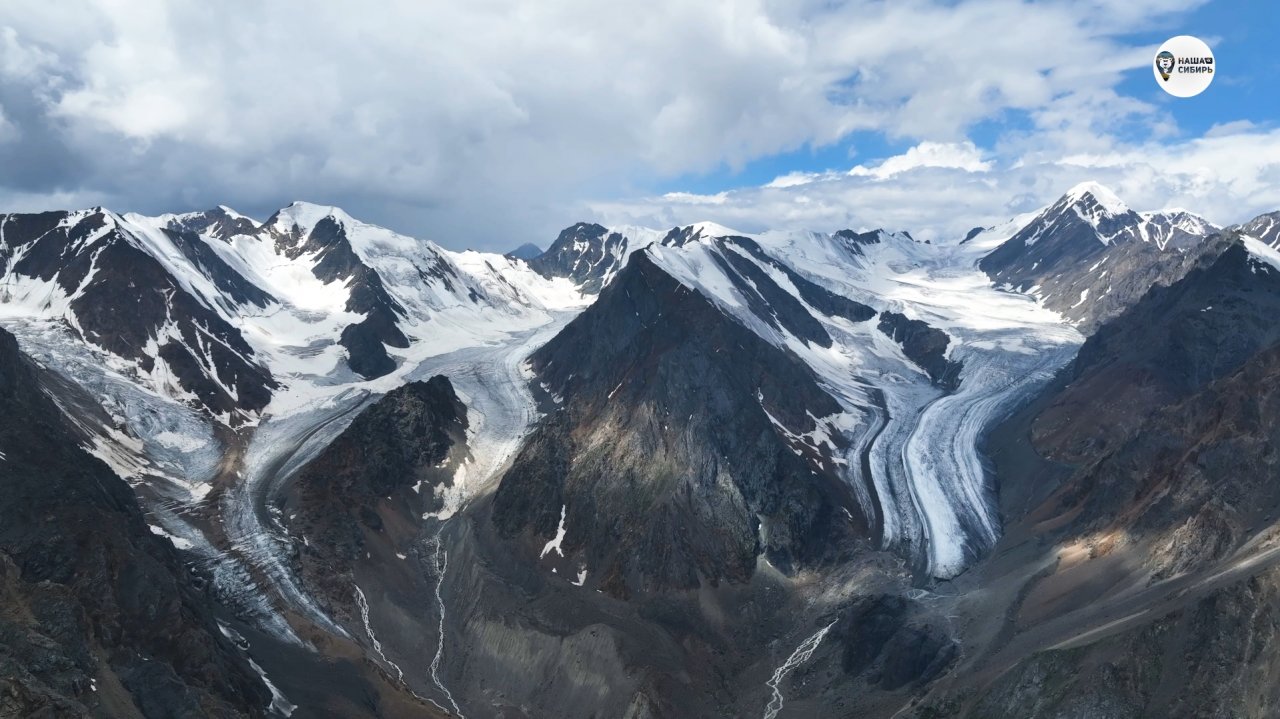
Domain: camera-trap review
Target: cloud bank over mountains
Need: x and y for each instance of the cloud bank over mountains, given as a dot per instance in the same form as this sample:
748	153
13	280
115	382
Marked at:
492	123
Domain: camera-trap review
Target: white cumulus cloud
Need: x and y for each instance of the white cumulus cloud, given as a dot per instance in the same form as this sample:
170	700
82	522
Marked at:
489	123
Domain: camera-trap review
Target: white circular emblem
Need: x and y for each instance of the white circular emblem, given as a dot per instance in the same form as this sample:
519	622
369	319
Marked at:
1184	66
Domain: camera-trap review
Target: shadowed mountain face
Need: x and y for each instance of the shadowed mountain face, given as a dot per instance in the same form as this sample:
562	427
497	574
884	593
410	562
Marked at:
122	299
98	615
374	483
527	251
587	254
1089	257
665	463
1159	595
1173	342
695	474
925	345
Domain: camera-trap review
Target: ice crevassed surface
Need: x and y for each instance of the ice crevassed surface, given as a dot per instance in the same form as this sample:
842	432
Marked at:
912	449
921	444
471	316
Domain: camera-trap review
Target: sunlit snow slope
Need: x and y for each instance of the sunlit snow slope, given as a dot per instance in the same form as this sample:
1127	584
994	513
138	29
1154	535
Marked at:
207	330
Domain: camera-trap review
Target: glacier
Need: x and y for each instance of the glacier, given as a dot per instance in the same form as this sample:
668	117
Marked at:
907	448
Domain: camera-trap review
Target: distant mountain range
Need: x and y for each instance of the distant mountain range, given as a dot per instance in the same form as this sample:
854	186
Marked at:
645	473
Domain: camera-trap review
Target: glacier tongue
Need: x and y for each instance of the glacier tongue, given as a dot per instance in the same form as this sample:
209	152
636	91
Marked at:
473	316
913	448
909	447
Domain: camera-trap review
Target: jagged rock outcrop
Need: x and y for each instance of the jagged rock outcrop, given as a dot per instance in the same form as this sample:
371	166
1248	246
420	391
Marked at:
924	345
1089	257
98	615
586	253
375	481
666	468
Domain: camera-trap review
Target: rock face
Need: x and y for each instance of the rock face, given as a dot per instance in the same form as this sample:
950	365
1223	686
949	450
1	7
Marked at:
924	345
1214	657
1089	256
89	269
527	251
375	481
327	245
98	615
855	241
1158	597
220	222
881	642
1170	344
665	466
587	254
1264	228
1184	446
816	296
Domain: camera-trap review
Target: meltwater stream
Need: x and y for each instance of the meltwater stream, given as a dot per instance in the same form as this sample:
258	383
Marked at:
491	381
798	657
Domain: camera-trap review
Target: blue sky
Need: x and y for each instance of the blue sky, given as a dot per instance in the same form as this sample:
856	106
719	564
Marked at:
1242	35
496	123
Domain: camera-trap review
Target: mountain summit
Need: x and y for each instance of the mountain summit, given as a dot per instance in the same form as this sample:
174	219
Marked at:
1089	256
649	473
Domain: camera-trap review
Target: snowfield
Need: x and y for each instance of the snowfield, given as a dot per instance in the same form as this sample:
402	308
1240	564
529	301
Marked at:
919	444
910	449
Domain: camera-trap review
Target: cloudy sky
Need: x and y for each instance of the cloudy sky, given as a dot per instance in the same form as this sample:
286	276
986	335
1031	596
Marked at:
488	123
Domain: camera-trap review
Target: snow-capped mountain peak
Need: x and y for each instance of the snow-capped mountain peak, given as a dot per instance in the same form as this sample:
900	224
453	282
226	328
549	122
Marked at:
219	312
707	228
1264	228
1077	255
1175	227
306	215
589	254
697	232
1097	196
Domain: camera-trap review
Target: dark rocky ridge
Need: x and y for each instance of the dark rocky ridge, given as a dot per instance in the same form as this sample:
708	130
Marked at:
123	298
585	253
853	242
664	457
817	296
1091	272
362	485
99	616
1159	596
777	307
925	345
234	289
1171	343
218	222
